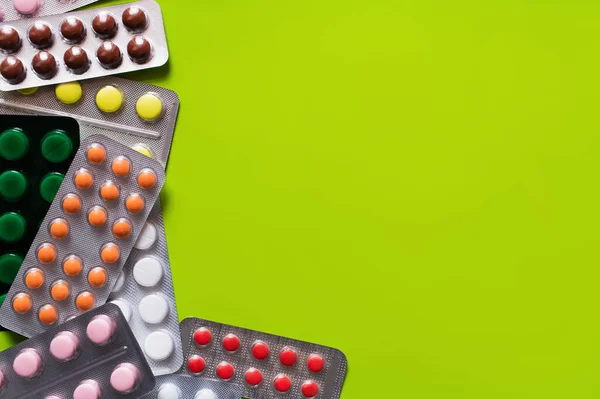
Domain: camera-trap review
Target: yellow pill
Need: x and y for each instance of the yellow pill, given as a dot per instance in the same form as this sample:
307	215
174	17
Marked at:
29	91
109	99
68	93
149	107
142	149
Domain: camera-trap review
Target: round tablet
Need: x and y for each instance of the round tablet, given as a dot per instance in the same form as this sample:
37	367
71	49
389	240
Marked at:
21	303
44	64
48	314
59	228
26	7
159	346
29	91
28	363
40	34
139	49
253	377
85	301
110	253
122	228
134	203
2	378
147	237
310	389
134	19
104	25
50	185
125	377
68	93
120	282
64	346
96	153
153	309
76	59
72	265
121	166
206	394
143	149
196	364
125	308
72	30
169	391
231	343
146	178
315	363
97	216
12	69
46	253
83	179
109	191
149	107
34	278
56	146
12	227
260	350
10	264
225	371
87	389
109	99
202	336
71	203
282	383
60	290
14	144
13	185
109	55
97	277
287	357
10	41
148	271
101	329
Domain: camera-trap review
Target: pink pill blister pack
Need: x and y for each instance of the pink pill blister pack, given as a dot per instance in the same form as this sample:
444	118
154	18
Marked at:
19	9
178	386
145	294
268	366
150	133
82	45
85	238
92	356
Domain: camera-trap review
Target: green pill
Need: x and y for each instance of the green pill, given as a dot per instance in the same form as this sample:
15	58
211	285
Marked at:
56	146
12	227
14	144
13	185
2	299
50	185
9	267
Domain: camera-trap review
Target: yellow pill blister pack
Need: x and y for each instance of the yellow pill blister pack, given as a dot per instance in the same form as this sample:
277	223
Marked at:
136	114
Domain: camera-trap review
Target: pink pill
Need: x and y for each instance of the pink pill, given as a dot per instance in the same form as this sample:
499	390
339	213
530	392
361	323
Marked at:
64	346
26	7
87	389
28	363
1	380
101	329
125	378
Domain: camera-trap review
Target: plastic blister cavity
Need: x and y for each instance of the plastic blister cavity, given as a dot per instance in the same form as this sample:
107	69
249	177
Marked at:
69	360
177	386
22	9
101	234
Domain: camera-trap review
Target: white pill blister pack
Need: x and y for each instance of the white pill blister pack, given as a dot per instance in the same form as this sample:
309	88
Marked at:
20	9
144	118
177	386
145	294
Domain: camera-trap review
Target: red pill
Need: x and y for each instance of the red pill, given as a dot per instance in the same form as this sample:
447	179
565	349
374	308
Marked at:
196	364
202	336
253	376
310	389
225	371
231	342
260	350
287	357
283	383
315	363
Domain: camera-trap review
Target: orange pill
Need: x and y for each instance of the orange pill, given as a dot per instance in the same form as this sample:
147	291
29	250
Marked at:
83	179
59	228
60	290
34	278
72	265
134	203
109	191
110	253
146	178
85	301
96	153
121	166
71	203
122	228
48	314
97	216
22	303
46	253
97	277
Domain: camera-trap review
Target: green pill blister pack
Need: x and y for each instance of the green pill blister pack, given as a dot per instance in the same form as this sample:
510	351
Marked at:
35	153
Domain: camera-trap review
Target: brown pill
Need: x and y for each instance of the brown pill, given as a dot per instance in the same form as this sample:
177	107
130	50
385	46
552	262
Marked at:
109	191
34	278
44	64
85	301
97	216
76	59
72	30
71	203
46	253
139	49
96	153
12	69
10	41
22	303
109	55
40	35
110	253
83	179
104	25
134	19
72	265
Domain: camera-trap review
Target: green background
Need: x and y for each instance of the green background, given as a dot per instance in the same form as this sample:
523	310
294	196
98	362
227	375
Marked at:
412	182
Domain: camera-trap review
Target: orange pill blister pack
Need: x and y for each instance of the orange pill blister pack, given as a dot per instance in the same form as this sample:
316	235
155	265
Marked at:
86	237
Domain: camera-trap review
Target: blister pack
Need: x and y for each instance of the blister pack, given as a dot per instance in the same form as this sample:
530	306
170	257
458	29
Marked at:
178	386
268	366
92	356
145	294
86	236
144	115
19	9
35	154
81	45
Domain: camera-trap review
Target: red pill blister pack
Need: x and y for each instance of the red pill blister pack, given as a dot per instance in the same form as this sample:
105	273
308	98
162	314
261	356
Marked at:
82	45
85	238
179	386
268	366
92	356
18	9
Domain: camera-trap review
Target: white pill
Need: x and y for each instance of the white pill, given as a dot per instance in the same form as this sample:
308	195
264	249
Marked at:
206	394
153	308
169	391
148	271
125	308
119	283
159	345
147	237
